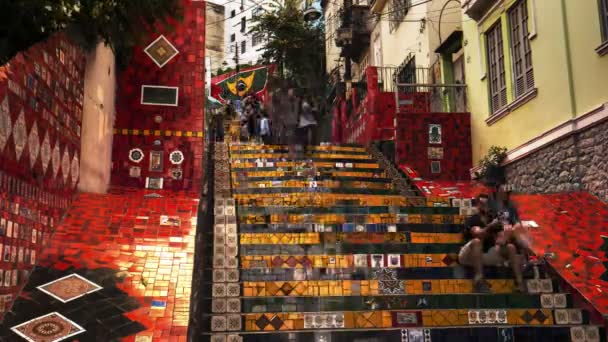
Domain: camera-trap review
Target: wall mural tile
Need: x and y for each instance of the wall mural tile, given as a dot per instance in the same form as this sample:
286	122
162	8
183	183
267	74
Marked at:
41	96
168	59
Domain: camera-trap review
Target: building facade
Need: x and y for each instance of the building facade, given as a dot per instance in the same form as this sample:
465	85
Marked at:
238	40
214	36
537	68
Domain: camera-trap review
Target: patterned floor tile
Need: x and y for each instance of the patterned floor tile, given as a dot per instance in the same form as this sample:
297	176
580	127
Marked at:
69	288
48	328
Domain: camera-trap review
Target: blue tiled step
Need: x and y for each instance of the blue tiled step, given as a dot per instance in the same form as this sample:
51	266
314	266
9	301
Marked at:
351	227
411	273
457	334
344	248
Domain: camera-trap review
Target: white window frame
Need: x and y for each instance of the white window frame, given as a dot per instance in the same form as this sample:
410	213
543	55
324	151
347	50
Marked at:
141	99
152	58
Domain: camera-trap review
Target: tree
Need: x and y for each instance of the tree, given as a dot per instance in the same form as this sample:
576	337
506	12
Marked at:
119	23
296	47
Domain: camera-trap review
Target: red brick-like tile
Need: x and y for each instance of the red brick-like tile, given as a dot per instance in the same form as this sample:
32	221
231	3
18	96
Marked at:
571	227
122	231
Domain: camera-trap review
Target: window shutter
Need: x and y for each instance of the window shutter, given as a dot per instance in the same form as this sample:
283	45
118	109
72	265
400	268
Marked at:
604	19
520	49
496	68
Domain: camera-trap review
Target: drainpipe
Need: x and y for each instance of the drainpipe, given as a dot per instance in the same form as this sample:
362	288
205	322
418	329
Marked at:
571	91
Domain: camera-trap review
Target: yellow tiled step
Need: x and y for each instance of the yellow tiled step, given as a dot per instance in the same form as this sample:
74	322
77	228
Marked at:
338	261
303	199
337	288
338	219
267	155
248	165
297	183
246	147
354	238
333	173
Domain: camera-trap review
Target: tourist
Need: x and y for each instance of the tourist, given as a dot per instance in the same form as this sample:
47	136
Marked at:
265	129
307	122
483	247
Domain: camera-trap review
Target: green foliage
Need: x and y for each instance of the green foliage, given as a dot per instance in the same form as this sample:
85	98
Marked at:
496	155
119	23
296	47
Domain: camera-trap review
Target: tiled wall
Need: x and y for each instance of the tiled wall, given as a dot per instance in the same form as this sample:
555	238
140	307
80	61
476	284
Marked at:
41	96
436	145
161	130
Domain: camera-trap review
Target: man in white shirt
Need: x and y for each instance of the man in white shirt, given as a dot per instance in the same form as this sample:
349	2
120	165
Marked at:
265	129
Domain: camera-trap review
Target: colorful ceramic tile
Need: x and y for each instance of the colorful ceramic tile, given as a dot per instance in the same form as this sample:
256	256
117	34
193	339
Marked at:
156	161
577	334
69	288
53	327
406	318
435	134
161	51
5	122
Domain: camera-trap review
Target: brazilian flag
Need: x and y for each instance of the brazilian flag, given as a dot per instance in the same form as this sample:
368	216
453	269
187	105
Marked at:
235	86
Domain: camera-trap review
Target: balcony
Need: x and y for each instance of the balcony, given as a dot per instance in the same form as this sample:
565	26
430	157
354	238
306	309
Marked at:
354	32
476	9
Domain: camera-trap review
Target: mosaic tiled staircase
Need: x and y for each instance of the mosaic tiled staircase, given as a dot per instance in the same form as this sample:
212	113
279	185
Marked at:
329	250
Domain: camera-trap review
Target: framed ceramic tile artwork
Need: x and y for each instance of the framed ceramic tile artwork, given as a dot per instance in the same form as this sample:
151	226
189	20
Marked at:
154	183
156	161
434	134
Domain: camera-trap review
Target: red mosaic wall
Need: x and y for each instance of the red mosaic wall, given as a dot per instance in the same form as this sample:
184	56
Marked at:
414	145
169	128
41	96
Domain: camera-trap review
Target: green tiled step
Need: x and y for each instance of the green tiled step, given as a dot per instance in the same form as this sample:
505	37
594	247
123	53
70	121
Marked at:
258	210
343	248
404	302
350	227
349	191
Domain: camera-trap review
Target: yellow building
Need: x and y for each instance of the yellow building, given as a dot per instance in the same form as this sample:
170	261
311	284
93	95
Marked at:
536	72
391	33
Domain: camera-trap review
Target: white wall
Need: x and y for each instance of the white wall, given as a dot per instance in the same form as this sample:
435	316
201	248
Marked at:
98	120
232	26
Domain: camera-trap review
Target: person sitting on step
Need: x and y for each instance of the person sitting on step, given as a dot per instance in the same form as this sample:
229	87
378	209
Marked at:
482	232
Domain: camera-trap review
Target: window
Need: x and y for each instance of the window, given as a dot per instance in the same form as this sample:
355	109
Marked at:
232	14
604	19
256	39
496	68
243	24
159	95
233	37
397	12
407	73
523	73
243	46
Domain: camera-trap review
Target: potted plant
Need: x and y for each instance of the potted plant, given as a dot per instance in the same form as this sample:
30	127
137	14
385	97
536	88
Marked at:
491	170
